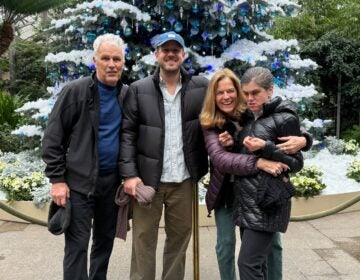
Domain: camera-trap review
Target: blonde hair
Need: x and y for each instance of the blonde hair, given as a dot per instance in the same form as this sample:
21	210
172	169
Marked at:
211	116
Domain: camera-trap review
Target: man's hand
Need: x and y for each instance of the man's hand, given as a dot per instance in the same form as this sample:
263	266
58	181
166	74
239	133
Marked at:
59	193
292	144
253	143
274	168
130	185
226	139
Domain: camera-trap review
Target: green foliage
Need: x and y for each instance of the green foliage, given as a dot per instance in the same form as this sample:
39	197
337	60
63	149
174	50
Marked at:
288	28
8	141
353	171
329	34
352	133
30	70
318	17
339	60
308	182
8	105
29	7
4	65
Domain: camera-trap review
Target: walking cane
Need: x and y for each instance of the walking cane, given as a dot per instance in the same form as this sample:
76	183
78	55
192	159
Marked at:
195	212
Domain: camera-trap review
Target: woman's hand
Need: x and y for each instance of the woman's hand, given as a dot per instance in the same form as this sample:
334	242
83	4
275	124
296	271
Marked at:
292	144
225	139
253	143
274	168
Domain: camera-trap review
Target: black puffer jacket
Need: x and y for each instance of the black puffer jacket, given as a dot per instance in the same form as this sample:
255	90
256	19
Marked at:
279	119
143	129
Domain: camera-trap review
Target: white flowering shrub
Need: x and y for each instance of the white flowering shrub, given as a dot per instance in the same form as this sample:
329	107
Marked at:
308	182
351	147
21	174
353	171
340	146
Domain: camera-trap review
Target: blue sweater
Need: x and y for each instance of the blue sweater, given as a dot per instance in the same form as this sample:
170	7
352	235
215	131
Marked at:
109	128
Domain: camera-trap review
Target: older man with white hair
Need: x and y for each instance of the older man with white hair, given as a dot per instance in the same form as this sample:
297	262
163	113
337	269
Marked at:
81	149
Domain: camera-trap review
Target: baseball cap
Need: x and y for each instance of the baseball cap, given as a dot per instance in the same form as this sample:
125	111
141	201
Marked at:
59	218
169	36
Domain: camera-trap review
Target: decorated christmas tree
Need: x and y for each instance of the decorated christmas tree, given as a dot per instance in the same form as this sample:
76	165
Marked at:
218	34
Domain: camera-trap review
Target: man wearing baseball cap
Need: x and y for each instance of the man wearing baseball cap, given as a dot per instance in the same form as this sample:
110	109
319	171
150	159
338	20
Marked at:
162	146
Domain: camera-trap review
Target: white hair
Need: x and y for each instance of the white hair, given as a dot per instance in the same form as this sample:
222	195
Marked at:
111	38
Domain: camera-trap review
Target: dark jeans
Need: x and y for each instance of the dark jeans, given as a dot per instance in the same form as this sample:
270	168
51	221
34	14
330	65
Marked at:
98	211
254	250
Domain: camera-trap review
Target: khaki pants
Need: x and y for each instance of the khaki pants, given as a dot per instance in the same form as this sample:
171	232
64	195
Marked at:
177	200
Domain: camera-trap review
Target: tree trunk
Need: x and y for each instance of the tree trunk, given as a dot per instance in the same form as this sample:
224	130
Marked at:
12	62
338	107
6	36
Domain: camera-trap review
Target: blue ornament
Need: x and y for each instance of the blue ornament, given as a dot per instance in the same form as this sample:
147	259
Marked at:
191	71
219	7
234	36
178	27
209	67
223	42
171	19
92	67
204	35
128	31
245	28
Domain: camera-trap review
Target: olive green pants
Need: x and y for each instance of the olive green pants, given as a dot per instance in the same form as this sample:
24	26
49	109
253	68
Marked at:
176	199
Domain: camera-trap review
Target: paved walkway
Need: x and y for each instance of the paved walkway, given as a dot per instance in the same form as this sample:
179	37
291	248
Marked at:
323	249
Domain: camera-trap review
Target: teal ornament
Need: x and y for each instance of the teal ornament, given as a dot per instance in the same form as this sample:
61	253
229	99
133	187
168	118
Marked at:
178	27
195	9
105	22
212	35
195	23
128	31
222	31
222	19
90	37
128	56
206	14
169	4
149	27
194	30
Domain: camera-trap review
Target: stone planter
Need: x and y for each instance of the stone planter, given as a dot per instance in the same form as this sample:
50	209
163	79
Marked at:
27	208
300	207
